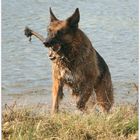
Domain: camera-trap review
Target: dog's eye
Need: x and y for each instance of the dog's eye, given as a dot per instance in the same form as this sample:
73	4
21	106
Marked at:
61	32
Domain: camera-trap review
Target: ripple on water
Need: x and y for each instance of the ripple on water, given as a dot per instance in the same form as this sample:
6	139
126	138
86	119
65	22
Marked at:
112	26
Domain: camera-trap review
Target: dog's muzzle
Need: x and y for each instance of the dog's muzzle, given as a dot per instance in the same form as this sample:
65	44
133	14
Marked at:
50	42
47	42
54	46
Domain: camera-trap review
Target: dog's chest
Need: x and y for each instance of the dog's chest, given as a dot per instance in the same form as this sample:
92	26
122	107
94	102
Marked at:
70	75
67	76
71	80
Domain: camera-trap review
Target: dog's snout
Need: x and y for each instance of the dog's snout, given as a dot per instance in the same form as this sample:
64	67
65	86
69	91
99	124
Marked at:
50	42
47	42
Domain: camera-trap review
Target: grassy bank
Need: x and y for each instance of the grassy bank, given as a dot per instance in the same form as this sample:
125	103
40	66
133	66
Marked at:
26	124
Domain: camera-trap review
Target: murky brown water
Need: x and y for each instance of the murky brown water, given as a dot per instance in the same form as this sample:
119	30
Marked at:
111	25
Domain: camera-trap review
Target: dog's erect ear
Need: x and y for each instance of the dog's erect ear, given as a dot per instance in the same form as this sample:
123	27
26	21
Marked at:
74	19
52	16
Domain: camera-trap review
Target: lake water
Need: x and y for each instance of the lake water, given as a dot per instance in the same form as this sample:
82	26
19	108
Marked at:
111	25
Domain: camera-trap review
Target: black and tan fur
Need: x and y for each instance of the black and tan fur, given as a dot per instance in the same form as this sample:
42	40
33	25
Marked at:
77	64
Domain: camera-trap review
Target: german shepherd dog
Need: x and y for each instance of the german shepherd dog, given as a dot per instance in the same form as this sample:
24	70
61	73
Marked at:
77	64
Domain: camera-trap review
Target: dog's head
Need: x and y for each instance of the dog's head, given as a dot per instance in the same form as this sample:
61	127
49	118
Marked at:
61	32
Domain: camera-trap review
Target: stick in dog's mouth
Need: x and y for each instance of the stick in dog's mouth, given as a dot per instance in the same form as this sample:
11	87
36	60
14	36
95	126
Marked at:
56	47
28	32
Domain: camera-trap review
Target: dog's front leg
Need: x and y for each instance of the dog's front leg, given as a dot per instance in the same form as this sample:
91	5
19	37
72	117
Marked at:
57	95
84	97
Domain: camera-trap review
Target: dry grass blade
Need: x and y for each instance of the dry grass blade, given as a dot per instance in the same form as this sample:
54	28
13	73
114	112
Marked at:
120	124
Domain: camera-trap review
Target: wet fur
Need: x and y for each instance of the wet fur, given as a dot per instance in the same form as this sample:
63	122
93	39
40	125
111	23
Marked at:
79	66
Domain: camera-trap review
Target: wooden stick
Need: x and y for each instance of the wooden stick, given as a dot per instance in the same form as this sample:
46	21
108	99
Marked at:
28	32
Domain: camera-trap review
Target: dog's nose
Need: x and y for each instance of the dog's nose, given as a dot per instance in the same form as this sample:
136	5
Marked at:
47	42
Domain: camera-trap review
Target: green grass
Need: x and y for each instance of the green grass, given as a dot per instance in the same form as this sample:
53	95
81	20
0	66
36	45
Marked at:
27	124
